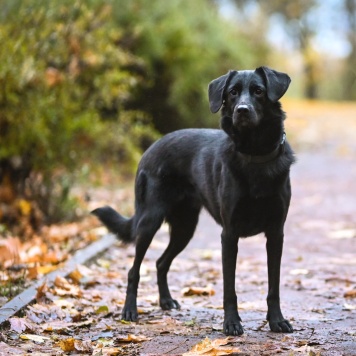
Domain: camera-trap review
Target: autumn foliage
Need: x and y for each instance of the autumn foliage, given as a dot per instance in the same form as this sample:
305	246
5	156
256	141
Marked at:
90	82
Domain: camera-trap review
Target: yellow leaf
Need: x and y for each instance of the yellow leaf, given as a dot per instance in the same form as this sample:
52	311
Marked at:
24	206
122	321
103	309
67	345
76	276
47	269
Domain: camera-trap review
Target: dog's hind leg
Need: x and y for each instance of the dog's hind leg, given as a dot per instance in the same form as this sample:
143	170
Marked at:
182	221
147	226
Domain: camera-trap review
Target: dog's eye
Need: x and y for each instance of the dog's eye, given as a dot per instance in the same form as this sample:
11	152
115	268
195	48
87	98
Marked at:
258	91
233	92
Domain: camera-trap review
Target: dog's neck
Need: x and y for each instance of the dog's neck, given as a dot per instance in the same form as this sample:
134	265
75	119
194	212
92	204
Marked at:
259	144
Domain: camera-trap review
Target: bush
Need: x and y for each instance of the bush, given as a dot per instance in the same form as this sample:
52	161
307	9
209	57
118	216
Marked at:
64	84
87	81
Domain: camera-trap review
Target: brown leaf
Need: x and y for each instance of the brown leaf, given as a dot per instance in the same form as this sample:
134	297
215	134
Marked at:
64	288
41	292
350	294
62	283
76	276
189	291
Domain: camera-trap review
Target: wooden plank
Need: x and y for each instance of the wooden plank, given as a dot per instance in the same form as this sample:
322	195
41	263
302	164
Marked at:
80	257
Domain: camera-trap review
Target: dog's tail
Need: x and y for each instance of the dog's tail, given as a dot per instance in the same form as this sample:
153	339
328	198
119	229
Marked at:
116	223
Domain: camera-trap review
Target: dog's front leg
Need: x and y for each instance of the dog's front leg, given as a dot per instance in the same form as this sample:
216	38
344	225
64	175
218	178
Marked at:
275	317
232	321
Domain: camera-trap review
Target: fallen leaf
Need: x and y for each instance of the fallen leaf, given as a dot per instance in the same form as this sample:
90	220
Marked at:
60	325
103	335
103	309
350	294
343	234
349	306
36	338
10	251
64	288
24	207
62	283
19	324
132	338
67	345
165	321
308	350
122	321
339	280
83	345
76	276
298	271
107	351
213	347
189	291
190	322
41	291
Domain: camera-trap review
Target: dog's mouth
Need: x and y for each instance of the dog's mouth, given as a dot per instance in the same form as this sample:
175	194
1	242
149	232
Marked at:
244	116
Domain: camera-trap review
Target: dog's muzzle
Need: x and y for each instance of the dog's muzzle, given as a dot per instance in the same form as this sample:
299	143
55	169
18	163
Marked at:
244	115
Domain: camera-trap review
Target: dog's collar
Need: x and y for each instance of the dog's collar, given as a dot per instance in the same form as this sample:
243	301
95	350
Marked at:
269	156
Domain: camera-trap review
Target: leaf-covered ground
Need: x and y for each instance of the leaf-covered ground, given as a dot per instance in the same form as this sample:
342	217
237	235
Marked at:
81	314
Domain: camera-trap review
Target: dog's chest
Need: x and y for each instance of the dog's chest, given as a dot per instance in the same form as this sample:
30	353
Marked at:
260	187
258	202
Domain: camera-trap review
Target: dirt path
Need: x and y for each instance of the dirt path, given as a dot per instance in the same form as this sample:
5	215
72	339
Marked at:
319	267
318	271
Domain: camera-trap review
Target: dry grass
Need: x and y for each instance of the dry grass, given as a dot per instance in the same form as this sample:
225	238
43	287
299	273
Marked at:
321	124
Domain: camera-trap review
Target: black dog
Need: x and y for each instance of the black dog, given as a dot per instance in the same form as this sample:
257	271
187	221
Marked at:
240	174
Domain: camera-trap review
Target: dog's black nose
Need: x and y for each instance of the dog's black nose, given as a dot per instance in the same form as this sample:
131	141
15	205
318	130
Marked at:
243	109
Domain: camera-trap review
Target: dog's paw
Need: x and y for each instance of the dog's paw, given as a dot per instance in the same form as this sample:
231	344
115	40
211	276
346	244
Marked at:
169	303
232	326
129	314
281	326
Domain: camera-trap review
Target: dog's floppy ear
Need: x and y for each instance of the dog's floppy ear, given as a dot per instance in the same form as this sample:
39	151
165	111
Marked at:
216	91
277	82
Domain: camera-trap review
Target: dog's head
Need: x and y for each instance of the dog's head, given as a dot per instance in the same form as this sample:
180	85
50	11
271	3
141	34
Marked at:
245	95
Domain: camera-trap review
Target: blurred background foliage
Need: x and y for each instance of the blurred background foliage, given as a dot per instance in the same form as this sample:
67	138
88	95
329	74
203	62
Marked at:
88	82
